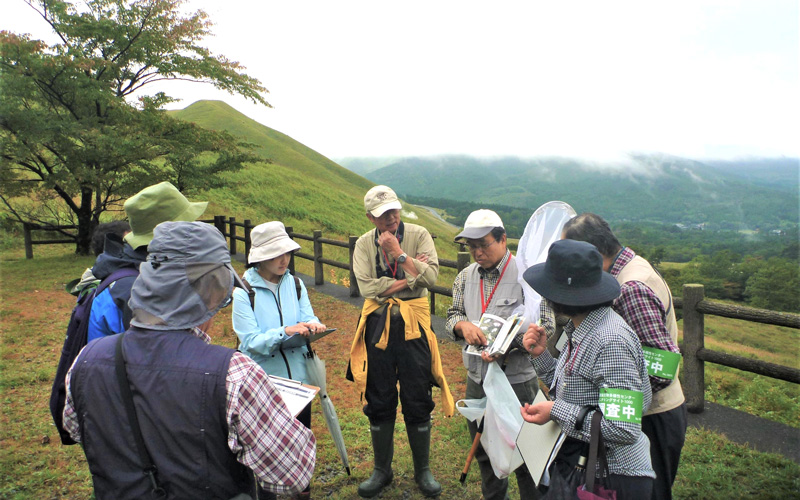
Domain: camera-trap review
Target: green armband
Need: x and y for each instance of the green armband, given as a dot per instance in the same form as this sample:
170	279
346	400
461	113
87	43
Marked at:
621	405
660	363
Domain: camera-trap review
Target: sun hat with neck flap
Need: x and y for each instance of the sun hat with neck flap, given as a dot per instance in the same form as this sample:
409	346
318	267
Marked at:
573	275
155	204
269	240
186	279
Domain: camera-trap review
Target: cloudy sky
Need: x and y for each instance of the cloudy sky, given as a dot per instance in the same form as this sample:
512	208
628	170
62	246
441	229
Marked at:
700	79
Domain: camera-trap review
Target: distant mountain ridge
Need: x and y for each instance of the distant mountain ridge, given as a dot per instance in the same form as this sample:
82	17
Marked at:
754	193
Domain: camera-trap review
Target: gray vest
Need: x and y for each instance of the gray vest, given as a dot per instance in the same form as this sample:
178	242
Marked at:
507	297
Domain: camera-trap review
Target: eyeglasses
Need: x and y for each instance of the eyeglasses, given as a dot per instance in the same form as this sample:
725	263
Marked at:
480	246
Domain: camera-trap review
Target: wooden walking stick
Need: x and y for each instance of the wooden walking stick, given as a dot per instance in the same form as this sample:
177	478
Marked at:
470	456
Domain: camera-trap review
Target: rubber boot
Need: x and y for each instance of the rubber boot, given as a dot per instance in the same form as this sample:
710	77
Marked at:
419	438
383	450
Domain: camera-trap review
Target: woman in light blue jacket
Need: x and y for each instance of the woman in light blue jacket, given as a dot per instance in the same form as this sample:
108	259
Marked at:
273	330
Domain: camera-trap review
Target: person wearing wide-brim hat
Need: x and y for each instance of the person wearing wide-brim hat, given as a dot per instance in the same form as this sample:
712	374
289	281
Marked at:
146	209
209	416
273	328
602	367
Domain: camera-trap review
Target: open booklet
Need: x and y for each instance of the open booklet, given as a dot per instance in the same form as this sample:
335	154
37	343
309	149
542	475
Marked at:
539	445
296	395
499	333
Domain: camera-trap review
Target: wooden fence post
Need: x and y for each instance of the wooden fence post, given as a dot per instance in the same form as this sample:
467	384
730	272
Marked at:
26	229
232	232
693	341
289	230
463	260
219	223
247	228
319	277
351	245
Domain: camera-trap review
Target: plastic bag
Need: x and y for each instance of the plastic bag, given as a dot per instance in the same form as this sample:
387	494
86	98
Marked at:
501	423
472	409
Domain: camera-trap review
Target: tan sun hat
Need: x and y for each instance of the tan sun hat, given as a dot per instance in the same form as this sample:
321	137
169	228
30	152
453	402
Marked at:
380	199
154	205
270	240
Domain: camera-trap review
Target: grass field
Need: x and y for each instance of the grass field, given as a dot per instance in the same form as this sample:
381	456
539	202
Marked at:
34	309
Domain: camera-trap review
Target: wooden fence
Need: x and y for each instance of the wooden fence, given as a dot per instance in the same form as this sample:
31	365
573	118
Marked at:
693	304
28	228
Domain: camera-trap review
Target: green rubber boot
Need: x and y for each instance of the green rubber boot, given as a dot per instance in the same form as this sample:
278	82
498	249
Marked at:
419	438
383	449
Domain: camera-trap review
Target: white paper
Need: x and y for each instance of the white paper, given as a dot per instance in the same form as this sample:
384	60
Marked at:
294	394
539	444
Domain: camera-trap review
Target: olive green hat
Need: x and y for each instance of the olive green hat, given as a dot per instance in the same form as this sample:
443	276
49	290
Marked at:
154	205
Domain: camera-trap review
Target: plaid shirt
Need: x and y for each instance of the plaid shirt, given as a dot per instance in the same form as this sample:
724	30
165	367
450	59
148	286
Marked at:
603	352
639	307
262	433
491	277
643	311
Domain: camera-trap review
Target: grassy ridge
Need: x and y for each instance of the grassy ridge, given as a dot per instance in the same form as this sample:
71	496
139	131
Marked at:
33	464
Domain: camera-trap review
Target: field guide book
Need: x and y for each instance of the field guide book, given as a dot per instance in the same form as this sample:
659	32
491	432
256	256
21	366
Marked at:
499	333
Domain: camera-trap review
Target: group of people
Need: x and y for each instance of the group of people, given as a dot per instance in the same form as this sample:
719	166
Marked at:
205	421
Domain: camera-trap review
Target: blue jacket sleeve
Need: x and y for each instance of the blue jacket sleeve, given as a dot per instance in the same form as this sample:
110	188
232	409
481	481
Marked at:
251	337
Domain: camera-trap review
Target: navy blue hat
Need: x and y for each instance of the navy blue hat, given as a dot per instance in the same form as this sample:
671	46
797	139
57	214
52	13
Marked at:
572	275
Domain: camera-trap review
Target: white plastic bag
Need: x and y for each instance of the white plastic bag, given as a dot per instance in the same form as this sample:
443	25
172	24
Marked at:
472	409
501	423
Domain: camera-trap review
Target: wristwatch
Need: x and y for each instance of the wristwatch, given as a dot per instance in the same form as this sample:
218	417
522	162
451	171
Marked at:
402	258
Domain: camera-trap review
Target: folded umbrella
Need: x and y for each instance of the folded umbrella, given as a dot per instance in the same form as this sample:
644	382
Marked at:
315	370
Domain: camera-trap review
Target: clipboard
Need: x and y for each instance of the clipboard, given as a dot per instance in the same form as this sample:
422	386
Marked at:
316	336
296	395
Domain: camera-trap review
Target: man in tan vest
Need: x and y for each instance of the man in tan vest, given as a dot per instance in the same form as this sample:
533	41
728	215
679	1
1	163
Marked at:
645	302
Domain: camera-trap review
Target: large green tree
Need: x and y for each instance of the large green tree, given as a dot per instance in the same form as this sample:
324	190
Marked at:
79	131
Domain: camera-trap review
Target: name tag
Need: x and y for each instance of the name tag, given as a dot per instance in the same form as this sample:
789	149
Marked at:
660	363
621	405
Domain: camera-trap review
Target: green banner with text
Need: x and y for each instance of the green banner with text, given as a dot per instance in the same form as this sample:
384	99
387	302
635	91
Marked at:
621	405
660	363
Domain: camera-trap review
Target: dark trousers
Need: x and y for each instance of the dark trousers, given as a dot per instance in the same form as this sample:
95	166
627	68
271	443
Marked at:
304	417
407	362
629	487
667	433
492	487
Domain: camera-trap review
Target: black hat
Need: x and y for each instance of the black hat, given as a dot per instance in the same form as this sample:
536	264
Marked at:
573	275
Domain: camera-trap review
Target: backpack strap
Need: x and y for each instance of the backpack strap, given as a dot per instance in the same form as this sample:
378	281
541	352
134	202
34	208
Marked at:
116	275
252	294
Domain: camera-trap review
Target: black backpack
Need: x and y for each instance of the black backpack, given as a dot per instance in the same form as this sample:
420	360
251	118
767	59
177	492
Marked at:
77	336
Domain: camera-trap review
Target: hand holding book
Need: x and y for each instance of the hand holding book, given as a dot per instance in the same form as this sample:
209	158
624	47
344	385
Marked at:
499	334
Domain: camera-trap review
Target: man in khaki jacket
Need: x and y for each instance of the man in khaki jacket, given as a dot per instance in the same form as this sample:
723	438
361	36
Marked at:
395	264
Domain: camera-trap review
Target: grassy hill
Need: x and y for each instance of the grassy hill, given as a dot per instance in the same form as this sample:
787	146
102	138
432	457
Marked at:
300	187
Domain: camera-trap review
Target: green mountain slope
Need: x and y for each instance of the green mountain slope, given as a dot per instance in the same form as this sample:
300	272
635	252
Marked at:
646	188
301	187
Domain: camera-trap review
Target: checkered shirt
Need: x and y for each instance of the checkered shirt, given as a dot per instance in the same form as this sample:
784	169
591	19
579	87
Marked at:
456	311
639	307
643	311
603	352
262	433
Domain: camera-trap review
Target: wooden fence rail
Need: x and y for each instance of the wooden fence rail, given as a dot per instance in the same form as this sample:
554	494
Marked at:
693	304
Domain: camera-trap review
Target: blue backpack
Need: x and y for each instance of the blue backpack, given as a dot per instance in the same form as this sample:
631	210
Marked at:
77	335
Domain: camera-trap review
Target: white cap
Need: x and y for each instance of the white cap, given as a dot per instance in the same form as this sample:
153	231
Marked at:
479	224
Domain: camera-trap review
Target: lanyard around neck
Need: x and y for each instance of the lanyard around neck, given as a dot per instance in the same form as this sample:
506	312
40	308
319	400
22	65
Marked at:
386	260
485	304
